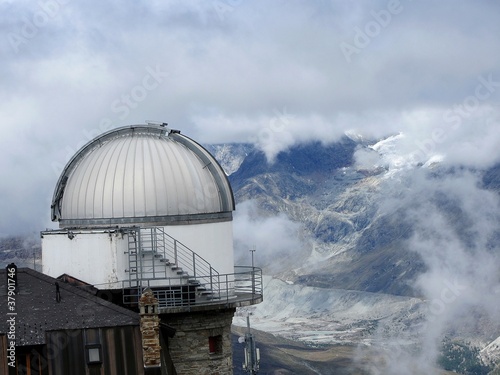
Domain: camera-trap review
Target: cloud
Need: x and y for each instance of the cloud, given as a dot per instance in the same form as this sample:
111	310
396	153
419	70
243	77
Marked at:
274	238
455	226
229	69
425	135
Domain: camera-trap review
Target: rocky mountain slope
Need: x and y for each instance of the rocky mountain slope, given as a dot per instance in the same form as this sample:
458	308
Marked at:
362	252
351	244
24	251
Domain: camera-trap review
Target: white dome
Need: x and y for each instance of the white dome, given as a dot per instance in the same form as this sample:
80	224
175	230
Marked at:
141	174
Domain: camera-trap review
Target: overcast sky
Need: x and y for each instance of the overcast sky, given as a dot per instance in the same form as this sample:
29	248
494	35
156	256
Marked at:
268	72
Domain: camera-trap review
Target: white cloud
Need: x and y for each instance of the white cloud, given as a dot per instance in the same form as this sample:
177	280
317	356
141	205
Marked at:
228	74
274	238
456	229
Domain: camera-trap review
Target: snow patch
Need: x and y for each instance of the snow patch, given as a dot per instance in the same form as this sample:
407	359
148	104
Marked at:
324	316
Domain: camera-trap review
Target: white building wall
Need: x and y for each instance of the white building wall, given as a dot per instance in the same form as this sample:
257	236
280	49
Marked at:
97	258
100	258
211	241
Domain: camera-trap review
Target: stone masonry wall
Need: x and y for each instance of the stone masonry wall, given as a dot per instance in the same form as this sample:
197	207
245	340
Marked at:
189	348
150	340
150	329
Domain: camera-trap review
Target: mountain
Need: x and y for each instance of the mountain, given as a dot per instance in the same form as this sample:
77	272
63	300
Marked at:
335	202
359	253
24	251
491	178
231	155
353	242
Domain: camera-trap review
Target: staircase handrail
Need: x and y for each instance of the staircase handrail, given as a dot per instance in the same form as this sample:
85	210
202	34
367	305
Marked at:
178	253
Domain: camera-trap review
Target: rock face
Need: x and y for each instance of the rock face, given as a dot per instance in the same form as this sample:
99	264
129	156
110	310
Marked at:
337	204
491	353
230	156
491	178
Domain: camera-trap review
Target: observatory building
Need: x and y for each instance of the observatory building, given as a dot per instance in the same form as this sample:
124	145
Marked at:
145	208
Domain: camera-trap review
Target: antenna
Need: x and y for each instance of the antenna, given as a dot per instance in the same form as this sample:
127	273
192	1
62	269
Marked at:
252	354
252	251
253	274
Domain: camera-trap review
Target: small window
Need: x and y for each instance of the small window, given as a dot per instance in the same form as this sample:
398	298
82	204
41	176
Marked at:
93	347
215	344
94	354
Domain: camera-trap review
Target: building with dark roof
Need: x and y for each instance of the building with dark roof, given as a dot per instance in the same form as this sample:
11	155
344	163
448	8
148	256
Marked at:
62	329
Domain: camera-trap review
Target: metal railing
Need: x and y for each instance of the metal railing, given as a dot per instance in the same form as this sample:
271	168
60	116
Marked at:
244	285
161	246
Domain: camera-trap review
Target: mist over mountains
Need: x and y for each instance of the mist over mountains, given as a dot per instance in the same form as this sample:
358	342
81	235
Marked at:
368	211
325	221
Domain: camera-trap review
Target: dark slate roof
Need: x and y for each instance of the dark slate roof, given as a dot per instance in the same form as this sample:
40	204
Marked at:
38	311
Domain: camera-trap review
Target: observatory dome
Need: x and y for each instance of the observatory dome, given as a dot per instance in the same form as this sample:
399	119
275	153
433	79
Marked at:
141	174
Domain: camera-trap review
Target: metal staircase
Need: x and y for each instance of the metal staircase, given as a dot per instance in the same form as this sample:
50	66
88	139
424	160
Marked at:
176	274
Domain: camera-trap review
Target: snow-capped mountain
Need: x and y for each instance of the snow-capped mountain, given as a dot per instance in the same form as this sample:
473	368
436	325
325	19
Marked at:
230	156
364	243
337	205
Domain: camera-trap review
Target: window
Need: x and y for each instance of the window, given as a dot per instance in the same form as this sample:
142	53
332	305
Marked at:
215	344
93	347
94	354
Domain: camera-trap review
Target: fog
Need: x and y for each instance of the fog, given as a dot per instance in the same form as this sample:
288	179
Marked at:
271	73
456	231
275	239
